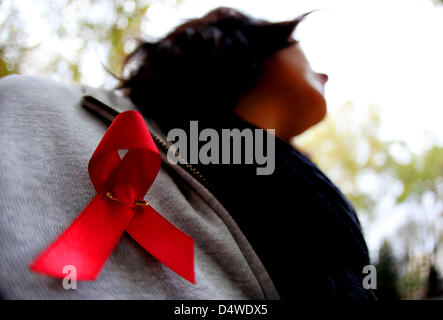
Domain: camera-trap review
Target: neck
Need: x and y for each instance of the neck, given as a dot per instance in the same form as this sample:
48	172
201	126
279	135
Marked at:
264	113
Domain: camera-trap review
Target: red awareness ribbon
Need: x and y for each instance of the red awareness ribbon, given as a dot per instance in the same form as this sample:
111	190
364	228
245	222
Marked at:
120	184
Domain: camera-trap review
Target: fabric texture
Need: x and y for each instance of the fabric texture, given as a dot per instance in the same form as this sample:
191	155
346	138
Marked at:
47	139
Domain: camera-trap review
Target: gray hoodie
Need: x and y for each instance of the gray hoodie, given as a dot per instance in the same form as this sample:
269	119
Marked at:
46	141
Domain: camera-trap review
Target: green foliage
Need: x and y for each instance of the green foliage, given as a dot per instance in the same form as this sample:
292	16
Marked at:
13	47
412	284
118	35
4	68
387	274
422	174
85	26
345	148
434	283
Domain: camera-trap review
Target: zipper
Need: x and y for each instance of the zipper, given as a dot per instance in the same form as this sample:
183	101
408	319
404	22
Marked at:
187	166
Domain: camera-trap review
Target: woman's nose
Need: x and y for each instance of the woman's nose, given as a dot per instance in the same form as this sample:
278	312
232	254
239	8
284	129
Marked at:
323	77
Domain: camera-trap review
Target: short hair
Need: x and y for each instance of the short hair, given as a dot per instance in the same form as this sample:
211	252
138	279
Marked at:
203	66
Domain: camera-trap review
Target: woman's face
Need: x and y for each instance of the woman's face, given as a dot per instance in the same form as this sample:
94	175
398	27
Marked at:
299	90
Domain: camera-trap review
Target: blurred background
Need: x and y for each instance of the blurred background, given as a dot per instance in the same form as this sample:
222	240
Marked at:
382	141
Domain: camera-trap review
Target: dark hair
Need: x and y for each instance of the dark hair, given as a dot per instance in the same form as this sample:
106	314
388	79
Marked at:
203	66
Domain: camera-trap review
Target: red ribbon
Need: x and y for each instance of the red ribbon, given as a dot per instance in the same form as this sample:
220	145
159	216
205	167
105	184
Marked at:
120	184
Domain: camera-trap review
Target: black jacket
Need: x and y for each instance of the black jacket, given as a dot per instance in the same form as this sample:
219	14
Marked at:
303	228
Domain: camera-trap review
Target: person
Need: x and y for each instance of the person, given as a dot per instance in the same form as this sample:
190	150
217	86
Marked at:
290	234
228	70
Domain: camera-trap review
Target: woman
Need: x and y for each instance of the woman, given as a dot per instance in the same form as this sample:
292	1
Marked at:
228	70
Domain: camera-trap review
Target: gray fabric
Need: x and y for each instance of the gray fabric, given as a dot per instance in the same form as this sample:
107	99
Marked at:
46	140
